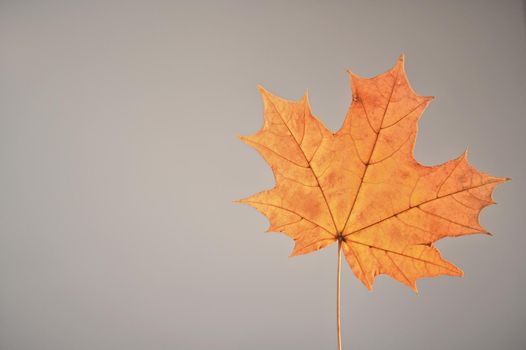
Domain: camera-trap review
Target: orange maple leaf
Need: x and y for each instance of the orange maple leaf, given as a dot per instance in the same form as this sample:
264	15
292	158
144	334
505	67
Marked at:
362	187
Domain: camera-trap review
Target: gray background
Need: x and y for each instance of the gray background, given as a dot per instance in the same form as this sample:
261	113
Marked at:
119	164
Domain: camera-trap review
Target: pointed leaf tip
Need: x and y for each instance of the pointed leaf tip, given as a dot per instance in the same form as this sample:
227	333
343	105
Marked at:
415	289
400	63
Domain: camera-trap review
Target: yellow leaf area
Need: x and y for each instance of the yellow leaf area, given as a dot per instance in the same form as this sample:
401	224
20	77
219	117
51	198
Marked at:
362	185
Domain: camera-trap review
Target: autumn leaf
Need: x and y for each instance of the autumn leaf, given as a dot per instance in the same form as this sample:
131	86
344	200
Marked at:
362	187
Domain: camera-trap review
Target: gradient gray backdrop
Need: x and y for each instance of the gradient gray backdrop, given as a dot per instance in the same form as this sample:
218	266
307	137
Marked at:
119	162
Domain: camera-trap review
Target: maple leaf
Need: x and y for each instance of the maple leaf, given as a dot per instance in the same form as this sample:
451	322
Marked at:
362	187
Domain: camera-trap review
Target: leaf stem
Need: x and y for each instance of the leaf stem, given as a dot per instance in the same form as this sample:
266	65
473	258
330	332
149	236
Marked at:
338	327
